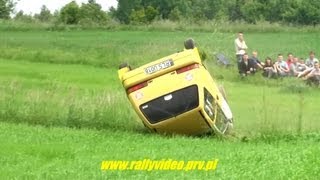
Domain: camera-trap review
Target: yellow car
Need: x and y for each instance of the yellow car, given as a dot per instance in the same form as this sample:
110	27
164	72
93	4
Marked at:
176	94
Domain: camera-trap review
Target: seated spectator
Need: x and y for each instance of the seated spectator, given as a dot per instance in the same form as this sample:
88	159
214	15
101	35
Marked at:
254	58
295	67
246	66
314	76
311	60
268	68
304	69
290	59
301	66
281	66
305	72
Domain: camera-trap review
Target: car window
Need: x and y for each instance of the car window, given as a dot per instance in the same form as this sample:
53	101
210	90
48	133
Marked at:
171	105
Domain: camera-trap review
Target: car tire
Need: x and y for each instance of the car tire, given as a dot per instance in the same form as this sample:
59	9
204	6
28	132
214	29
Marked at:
124	65
189	44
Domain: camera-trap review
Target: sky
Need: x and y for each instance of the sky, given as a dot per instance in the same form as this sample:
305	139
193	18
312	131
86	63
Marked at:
34	6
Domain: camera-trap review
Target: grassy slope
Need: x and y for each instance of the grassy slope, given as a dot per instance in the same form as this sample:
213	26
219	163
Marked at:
106	48
91	98
84	96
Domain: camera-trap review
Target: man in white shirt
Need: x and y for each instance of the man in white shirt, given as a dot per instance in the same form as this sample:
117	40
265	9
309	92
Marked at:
314	76
240	46
311	60
281	66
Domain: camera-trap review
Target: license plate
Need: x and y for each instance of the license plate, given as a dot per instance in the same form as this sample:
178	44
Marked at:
158	67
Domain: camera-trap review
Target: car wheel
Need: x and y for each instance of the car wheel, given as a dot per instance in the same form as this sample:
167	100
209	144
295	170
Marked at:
124	65
189	44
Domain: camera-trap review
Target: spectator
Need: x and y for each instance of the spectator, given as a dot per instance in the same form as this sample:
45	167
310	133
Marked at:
304	69
314	76
255	59
311	60
295	67
301	66
268	68
281	66
246	66
290	59
241	47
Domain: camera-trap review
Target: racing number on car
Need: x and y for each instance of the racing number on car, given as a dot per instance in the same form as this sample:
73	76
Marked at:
158	67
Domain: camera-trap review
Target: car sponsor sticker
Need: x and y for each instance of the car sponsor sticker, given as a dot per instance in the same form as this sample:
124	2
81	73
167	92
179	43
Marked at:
157	67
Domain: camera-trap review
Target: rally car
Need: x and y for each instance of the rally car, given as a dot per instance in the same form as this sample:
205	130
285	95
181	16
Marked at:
176	94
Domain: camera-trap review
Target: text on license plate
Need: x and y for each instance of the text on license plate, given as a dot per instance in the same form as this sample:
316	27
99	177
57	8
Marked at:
158	67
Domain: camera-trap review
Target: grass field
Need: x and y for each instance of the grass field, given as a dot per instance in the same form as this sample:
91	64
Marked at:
63	111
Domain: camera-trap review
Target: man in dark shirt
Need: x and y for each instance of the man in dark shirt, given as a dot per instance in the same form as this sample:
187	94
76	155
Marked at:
256	61
246	66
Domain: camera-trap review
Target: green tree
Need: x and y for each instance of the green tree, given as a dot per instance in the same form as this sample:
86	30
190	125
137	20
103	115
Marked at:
70	13
252	11
138	16
234	10
20	16
151	13
44	15
6	8
175	14
93	12
125	8
303	12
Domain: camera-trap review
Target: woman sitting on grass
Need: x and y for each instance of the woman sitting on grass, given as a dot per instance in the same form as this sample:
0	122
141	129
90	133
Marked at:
268	68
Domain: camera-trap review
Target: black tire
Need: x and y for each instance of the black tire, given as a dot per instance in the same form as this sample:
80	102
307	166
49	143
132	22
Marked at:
189	44
124	65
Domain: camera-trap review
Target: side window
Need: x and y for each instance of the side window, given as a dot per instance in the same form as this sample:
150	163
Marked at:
209	104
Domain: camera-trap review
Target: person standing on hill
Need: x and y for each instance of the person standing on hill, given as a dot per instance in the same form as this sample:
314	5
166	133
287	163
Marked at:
241	47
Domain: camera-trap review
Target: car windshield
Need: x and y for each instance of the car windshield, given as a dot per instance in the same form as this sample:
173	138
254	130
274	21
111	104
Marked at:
171	105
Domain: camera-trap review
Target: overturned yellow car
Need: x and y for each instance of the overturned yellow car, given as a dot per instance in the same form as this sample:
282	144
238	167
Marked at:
176	94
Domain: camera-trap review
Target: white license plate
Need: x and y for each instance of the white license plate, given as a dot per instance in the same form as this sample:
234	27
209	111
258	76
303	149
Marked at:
158	67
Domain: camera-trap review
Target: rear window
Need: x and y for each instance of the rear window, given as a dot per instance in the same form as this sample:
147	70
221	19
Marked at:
171	105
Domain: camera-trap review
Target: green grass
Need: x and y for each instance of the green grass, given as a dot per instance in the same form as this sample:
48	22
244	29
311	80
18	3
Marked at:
63	110
55	153
109	49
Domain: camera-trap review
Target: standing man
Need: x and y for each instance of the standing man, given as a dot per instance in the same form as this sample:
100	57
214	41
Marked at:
240	46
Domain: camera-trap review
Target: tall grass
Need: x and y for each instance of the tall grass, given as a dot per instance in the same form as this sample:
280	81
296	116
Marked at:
66	106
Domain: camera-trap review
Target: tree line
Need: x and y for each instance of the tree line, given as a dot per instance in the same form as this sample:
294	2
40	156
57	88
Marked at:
305	12
72	13
301	12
